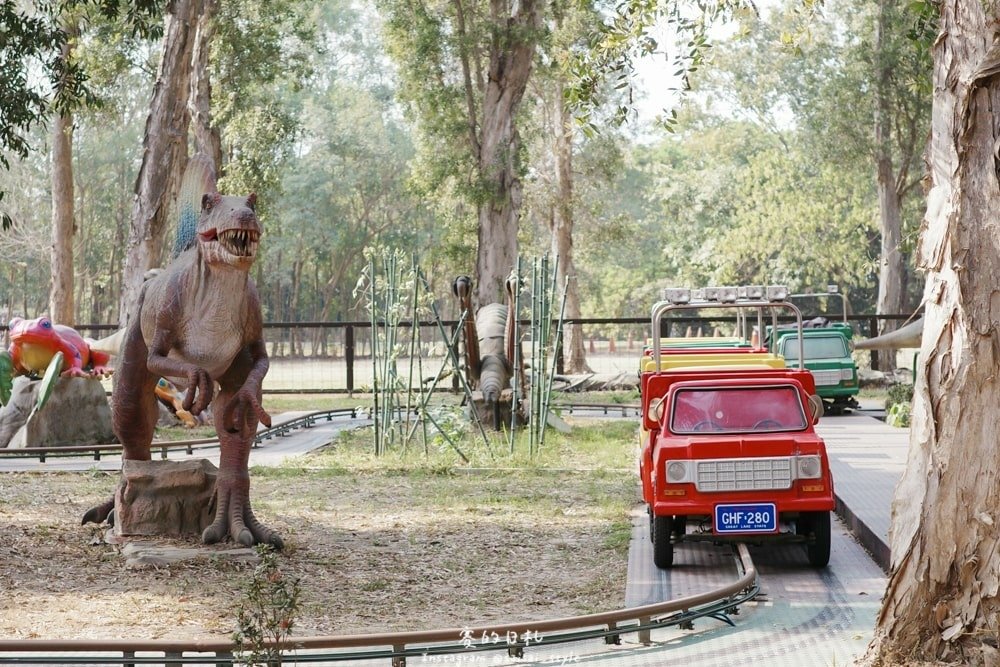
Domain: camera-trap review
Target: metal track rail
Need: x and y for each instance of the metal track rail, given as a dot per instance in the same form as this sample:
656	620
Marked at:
514	638
165	446
278	430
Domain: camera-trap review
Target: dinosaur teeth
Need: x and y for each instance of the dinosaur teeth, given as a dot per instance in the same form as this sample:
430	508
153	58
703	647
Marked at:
240	242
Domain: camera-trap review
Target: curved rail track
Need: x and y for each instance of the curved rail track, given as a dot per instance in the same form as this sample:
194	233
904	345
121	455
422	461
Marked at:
512	638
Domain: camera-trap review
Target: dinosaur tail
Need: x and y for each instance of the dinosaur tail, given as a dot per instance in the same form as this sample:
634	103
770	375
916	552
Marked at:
199	179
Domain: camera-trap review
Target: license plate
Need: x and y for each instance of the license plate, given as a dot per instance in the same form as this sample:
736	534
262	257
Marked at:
746	518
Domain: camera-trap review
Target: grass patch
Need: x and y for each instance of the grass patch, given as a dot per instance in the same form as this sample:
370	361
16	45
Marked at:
617	397
592	445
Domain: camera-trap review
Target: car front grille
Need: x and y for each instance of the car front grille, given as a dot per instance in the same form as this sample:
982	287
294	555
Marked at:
826	378
744	474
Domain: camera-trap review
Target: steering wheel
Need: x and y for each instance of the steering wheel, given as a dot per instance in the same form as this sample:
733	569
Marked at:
706	425
767	423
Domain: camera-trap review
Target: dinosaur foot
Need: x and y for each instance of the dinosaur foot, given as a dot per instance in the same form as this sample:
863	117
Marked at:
100	513
234	518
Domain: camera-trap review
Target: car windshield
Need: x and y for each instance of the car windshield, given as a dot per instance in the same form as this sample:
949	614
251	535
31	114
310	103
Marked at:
737	410
816	347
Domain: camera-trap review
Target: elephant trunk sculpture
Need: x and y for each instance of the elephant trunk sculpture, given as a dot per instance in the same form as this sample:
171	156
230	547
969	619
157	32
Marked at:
489	346
907	336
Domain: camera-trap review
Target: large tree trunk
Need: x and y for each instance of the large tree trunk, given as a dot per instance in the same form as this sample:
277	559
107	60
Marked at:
61	308
164	153
892	274
892	267
511	54
207	139
942	596
562	234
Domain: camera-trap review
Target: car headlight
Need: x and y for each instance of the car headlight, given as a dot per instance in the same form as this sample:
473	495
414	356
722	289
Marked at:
809	467
676	472
846	374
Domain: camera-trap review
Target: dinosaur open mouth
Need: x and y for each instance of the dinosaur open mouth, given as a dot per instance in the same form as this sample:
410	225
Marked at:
239	242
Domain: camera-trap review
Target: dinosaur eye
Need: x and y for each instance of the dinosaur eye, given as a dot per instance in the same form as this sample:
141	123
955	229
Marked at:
46	324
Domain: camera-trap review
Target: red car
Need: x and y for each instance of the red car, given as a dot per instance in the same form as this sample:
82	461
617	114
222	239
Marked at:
729	453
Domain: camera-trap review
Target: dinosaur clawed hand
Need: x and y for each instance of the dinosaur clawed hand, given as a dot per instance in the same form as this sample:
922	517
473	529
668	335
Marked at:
242	405
234	518
200	385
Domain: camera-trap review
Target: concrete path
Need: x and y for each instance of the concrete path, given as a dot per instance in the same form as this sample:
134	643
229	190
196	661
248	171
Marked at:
867	457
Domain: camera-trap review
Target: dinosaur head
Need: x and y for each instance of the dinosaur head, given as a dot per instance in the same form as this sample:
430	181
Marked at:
228	230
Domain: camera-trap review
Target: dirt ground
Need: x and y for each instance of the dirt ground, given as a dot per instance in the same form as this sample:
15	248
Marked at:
374	551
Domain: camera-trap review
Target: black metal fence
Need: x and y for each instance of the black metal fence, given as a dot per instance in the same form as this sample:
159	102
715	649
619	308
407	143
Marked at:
335	357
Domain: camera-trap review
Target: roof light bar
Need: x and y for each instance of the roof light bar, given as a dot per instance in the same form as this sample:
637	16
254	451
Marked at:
727	294
677	295
777	292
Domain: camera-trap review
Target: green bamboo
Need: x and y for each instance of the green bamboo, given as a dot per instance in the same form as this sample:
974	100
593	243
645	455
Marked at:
552	370
449	440
374	336
536	309
413	346
516	387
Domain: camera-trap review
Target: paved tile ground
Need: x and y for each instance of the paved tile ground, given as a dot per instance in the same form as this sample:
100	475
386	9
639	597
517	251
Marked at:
867	458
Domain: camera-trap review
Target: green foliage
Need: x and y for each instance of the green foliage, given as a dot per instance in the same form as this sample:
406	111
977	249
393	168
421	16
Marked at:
898	415
32	44
266	613
898	405
626	36
261	56
899	393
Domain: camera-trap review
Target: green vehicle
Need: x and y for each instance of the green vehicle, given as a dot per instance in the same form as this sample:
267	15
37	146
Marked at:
827	353
828	356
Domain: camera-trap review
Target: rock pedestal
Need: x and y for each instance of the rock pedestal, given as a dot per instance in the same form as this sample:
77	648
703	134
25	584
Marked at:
165	498
77	413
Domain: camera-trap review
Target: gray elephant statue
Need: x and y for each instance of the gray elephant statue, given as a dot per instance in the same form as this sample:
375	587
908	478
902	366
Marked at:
490	340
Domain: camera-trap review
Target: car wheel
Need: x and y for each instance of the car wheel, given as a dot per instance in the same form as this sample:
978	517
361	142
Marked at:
663	549
817	526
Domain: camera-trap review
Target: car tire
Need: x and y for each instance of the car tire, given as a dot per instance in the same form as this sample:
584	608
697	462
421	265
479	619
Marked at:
817	530
663	548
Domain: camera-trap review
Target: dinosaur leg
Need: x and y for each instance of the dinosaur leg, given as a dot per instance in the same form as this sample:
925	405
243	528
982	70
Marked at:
233	515
134	412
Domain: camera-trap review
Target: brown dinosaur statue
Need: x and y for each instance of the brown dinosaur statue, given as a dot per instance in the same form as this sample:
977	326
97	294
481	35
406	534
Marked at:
198	324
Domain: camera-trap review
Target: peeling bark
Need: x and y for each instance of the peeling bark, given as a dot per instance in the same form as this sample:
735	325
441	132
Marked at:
942	598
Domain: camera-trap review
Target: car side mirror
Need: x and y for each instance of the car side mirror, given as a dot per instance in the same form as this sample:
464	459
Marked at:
816	407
